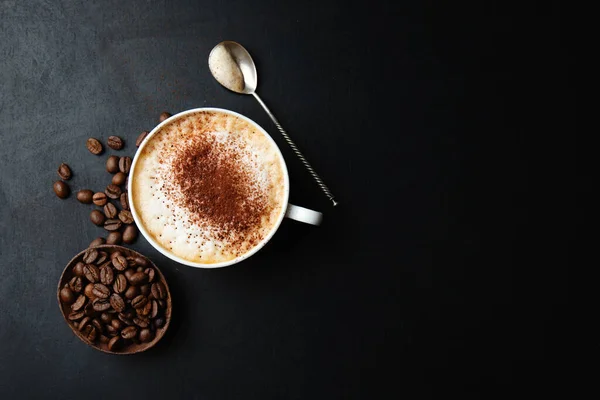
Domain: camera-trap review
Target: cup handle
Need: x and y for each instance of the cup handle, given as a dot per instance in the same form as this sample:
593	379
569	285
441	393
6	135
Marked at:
305	215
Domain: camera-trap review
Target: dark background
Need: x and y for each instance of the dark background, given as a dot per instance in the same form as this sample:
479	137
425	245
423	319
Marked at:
432	123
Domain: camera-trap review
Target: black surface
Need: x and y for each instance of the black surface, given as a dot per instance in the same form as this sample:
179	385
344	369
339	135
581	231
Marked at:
430	123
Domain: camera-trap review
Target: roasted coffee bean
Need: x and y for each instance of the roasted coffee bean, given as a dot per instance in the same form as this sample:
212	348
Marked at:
159	322
145	310
97	324
97	242
112	164
89	309
115	255
114	237
90	255
127	184
79	303
145	289
154	311
99	199
129	332
124	199
64	172
76	284
89	291
125	164
114	343
102	256
105	317
110	211
83	323
126	217
117	324
61	189
131	292
101	291
101	304
138	279
119	262
85	196
76	315
94	146
128	273
111	330
158	291
91	333
141	138
66	295
97	217
142	322
112	191
164	116
151	273
112	224
120	284
123	318
115	142
78	269
138	261
139	269
130	234
146	335
91	272
139	301
119	179
104	339
117	302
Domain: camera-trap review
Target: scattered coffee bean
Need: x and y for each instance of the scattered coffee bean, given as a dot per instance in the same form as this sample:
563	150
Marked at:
117	302
124	199
90	255
76	284
158	291
141	138
89	291
91	273
129	332
113	191
112	164
97	217
85	196
115	142
126	217
146	335
114	343
79	303
66	295
110	211
94	146
114	238
138	279
78	269
164	116
131	292
119	178
61	189
97	242
99	199
112	224
107	276
120	284
125	164
119	262
130	234
64	171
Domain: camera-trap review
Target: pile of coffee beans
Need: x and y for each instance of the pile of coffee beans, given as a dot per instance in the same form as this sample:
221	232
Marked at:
114	299
117	222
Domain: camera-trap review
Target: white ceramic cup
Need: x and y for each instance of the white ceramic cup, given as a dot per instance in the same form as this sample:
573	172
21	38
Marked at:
287	210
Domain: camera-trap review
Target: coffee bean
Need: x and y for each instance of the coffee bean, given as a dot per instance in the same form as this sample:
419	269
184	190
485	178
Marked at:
138	279
66	295
114	238
90	255
159	322
151	273
145	289
110	211
97	217
94	146
164	116
61	189
113	191
124	201
130	234
154	311
128	273
146	335
120	263
75	315
85	196
97	324
111	330
131	292
127	184
83	323
117	302
89	309
114	343
112	224
91	333
117	324
137	261
125	319
129	332
101	291
142	322
119	178
91	273
125	164
79	303
102	256
97	242
158	291
99	199
101	304
78	269
64	172
115	142
89	291
145	310
126	217
139	301
76	284
104	339
112	164
105	317
120	284
141	138
139	269
115	255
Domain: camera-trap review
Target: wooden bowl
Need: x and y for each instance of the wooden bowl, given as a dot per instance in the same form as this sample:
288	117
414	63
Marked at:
130	346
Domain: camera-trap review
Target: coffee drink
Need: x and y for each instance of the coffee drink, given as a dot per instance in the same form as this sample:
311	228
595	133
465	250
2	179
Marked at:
208	186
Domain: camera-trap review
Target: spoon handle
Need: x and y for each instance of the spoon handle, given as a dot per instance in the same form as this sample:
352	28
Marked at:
289	141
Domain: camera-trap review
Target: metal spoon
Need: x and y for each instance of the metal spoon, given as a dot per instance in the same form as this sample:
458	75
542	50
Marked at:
232	66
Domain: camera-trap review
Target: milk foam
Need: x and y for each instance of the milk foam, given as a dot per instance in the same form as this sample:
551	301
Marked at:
158	201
